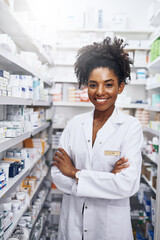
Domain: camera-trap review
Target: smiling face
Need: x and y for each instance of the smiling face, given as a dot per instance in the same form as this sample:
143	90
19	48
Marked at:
103	88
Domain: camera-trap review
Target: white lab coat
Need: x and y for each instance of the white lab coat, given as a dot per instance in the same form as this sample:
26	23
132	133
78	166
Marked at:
104	196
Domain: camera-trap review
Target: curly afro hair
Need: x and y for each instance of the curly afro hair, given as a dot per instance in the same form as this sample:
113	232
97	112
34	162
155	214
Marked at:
105	54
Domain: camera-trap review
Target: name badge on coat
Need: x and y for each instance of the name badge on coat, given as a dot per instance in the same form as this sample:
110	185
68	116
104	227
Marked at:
112	153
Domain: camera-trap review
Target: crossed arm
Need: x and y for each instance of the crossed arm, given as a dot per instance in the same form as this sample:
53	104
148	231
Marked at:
63	162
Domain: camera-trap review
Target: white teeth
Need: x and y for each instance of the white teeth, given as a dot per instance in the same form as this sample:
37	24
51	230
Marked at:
101	100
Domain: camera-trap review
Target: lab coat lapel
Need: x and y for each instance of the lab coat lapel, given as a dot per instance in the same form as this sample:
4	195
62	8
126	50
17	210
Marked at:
108	129
103	134
87	128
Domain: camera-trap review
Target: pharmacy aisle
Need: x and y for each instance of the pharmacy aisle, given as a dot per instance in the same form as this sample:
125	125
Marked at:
25	129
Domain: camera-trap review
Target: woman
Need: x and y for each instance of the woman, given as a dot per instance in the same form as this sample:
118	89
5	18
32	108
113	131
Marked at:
96	185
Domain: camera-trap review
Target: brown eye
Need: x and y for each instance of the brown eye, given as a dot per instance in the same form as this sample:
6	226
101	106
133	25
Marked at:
109	85
92	85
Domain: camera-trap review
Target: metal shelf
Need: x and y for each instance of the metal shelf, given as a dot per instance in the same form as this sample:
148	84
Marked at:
89	104
14	101
131	31
38	186
132	82
19	34
155	86
16	218
150	157
155	64
34	163
58	126
54	146
14	182
129	48
64	64
41	128
33	224
130	105
6	100
18	215
137	82
48	83
154	109
154	21
152	131
149	183
41	103
15	65
73	104
10	142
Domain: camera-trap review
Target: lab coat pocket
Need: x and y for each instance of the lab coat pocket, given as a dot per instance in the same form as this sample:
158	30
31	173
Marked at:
119	223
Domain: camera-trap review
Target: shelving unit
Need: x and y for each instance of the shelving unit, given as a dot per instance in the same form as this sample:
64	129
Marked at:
18	215
154	109
78	47
14	182
38	158
97	30
150	157
38	186
15	101
155	86
22	101
16	218
149	183
88	104
14	65
33	224
154	66
133	81
19	34
40	128
58	126
41	103
152	131
7	143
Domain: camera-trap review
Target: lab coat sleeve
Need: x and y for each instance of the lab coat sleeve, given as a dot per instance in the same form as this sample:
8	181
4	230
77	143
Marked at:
61	181
121	185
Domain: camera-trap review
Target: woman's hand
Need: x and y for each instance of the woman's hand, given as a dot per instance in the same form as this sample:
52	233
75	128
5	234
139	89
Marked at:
63	162
120	165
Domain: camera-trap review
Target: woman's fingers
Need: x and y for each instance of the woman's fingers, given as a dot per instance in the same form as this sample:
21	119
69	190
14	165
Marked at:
63	152
120	165
124	166
57	159
58	154
121	161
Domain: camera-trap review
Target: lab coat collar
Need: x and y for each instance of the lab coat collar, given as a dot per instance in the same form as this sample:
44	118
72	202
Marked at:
117	116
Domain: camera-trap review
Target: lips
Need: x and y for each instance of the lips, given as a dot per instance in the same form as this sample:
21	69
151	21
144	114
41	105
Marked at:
101	100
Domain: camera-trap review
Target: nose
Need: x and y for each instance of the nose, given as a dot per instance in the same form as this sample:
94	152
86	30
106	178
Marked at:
100	90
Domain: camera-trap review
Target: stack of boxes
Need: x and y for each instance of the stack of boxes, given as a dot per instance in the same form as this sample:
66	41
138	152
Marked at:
143	116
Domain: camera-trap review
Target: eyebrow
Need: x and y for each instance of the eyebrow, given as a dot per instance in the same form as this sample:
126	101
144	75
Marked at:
108	80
